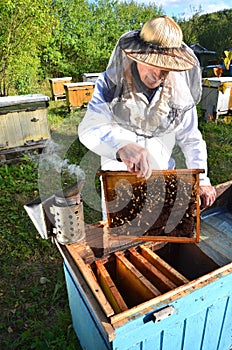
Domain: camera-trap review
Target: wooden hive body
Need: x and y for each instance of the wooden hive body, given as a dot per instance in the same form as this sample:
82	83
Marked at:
154	295
57	87
78	94
23	120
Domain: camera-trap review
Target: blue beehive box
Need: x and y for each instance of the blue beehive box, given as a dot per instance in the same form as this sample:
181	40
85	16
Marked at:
155	295
196	316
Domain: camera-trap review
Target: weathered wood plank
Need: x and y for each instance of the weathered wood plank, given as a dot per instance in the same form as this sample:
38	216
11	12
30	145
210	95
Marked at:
90	278
221	188
221	222
14	131
109	288
151	272
176	277
133	280
216	226
216	244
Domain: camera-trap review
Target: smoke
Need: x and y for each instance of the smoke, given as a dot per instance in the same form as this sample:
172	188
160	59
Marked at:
54	171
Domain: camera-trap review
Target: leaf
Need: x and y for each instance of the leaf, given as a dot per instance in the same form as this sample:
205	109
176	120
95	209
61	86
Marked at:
228	54
222	88
10	330
218	71
228	119
207	82
227	63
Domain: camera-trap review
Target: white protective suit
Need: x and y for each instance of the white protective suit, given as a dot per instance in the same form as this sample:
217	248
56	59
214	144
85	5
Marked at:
122	111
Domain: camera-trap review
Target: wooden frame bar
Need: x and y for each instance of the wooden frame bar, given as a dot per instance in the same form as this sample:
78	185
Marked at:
111	179
109	288
133	279
151	272
174	276
90	278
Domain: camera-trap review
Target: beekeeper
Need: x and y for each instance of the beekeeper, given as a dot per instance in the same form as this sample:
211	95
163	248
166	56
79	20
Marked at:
145	103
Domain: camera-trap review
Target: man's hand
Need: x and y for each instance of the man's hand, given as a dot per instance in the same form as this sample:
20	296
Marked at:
208	196
137	159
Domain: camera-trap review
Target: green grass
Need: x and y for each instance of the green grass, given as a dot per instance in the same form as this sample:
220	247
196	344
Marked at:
34	305
218	138
33	298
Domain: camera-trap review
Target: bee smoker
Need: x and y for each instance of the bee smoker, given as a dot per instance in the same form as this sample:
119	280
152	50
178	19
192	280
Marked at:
67	209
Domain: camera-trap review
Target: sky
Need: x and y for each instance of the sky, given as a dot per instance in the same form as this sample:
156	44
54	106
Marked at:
187	8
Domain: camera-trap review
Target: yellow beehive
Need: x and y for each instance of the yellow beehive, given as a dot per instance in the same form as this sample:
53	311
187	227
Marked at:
78	94
57	87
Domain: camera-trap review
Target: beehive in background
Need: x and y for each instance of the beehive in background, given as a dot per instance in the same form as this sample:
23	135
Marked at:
57	87
23	120
78	94
216	97
90	77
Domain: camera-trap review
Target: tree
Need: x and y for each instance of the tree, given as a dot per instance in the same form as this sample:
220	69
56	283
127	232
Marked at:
189	29
112	18
216	31
66	51
55	38
213	30
25	25
88	32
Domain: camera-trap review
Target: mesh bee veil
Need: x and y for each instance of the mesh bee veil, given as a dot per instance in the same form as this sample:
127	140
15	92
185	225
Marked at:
180	92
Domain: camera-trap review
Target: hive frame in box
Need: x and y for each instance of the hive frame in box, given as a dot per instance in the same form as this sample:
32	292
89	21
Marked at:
194	315
110	181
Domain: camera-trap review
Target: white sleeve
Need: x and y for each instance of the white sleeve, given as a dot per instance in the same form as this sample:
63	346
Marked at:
190	140
98	131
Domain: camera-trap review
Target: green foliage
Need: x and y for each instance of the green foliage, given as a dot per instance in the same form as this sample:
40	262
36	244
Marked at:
33	299
67	46
213	30
55	38
110	19
24	27
189	29
88	32
216	31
